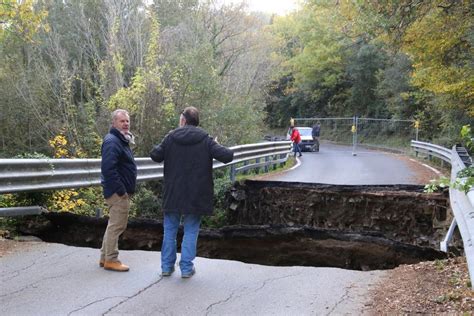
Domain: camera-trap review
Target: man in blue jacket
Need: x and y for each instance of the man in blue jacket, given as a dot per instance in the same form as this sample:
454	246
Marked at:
187	153
119	175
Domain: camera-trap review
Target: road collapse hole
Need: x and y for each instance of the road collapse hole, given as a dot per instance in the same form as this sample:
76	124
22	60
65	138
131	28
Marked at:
292	224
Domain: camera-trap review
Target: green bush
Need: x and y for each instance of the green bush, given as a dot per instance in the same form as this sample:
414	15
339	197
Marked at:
467	138
88	201
146	204
465	178
8	227
222	184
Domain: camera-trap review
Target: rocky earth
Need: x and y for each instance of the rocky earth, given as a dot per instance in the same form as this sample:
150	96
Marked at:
399	212
275	245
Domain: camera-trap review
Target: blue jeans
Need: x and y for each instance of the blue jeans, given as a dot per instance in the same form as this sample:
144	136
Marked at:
171	222
296	147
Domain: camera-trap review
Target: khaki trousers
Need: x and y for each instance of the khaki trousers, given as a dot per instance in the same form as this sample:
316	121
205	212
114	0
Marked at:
118	218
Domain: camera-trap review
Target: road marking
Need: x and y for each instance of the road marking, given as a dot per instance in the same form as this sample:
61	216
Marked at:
425	165
298	163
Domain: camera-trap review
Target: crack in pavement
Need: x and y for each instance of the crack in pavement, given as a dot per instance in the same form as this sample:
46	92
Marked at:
133	296
33	284
94	302
343	298
265	282
219	302
17	272
68	254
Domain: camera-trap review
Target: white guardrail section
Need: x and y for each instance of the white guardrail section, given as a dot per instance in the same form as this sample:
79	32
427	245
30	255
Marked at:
462	205
23	175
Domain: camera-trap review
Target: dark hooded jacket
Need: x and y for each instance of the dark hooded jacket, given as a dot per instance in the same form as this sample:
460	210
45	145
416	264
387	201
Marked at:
187	153
119	171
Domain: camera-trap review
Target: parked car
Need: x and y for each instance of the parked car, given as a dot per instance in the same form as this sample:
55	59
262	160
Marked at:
306	137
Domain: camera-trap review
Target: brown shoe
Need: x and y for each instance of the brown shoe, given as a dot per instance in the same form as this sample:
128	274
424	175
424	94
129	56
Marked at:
115	266
101	263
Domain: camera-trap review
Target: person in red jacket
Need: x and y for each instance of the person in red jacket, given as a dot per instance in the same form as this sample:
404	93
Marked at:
296	139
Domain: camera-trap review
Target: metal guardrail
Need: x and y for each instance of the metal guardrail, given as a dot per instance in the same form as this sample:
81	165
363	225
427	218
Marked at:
22	210
24	175
462	204
432	150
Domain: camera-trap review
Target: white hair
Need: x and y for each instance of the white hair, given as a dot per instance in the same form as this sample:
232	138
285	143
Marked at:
117	112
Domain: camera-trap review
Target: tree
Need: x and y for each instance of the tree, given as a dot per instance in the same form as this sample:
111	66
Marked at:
20	19
437	38
363	71
314	51
217	59
394	88
148	99
441	48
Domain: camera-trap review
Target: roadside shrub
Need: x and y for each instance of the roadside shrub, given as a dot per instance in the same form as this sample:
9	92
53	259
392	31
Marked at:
146	204
467	138
84	201
222	184
465	178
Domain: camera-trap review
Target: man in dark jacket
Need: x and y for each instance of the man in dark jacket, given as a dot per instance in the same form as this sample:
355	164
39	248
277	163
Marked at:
119	175
315	134
187	153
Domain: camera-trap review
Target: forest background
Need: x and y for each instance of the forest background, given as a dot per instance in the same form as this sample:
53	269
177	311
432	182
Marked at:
66	64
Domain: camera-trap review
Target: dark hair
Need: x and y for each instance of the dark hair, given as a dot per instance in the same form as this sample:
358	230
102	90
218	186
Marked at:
191	114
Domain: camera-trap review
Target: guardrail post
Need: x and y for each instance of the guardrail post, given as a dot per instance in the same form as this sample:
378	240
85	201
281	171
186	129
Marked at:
282	156
274	165
267	160
98	212
232	173
257	170
449	235
245	163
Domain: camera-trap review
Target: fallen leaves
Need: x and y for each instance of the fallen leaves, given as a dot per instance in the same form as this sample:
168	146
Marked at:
440	286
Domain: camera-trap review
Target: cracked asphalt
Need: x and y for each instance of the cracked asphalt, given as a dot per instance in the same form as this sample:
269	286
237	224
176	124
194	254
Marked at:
54	279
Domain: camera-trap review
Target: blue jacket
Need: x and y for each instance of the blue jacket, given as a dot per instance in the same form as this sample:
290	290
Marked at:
119	171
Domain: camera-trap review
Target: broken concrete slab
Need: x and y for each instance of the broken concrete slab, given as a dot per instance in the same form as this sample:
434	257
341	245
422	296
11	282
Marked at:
54	279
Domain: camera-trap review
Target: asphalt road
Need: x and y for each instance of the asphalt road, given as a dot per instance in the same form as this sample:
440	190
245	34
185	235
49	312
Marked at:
335	164
53	279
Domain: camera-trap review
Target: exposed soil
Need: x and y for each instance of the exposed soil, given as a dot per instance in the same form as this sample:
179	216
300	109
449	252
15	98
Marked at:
260	244
8	246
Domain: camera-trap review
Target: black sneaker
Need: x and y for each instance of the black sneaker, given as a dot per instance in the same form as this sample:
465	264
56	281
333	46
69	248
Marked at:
189	274
167	273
